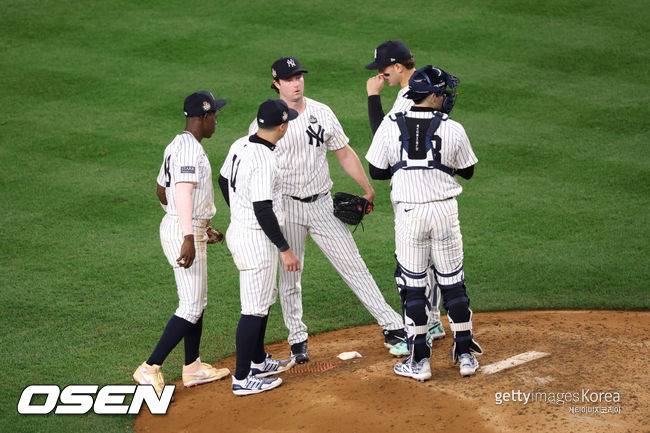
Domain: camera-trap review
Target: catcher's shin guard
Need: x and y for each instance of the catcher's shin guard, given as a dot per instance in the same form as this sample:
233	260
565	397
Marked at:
456	302
457	328
415	306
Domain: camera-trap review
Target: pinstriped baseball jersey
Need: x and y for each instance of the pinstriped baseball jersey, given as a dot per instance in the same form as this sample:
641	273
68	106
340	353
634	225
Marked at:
402	103
409	185
302	152
252	176
185	160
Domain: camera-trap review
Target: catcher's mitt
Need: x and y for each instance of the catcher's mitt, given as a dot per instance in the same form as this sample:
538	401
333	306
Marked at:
351	208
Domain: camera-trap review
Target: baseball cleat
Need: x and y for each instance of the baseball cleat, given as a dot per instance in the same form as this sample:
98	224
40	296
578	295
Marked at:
417	370
299	352
436	332
150	375
393	337
400	349
253	385
468	364
271	366
198	373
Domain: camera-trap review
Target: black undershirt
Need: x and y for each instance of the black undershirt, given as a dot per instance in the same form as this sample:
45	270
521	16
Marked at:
375	112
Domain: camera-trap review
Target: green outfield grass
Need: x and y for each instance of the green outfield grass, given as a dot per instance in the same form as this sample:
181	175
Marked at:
554	97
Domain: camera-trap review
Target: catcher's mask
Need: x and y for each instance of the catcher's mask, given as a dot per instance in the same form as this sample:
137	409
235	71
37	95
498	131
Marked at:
430	79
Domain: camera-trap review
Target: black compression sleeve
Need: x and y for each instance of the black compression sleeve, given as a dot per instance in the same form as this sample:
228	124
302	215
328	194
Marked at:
379	173
269	223
223	185
466	173
375	112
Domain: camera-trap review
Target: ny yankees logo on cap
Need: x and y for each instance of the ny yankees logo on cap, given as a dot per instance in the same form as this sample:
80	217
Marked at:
285	67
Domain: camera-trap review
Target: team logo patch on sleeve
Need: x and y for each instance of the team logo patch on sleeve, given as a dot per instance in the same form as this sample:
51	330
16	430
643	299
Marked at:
188	169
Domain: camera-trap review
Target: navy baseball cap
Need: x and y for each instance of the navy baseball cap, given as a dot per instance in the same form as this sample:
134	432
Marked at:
389	53
285	67
199	103
275	112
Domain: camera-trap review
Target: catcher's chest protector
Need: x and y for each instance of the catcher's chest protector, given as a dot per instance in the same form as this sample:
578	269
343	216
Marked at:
420	146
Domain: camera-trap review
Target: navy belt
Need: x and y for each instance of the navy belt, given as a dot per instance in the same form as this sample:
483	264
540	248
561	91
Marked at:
311	199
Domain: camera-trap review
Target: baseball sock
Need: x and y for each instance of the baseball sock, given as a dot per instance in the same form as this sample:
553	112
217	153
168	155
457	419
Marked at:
193	341
174	331
259	355
248	330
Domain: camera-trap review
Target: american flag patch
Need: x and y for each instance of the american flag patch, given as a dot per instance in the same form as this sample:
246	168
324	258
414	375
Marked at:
188	169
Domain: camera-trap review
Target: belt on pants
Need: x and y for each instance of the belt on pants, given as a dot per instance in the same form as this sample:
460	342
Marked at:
310	199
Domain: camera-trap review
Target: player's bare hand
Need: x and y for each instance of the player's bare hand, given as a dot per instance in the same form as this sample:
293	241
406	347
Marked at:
214	236
291	262
370	196
187	252
375	84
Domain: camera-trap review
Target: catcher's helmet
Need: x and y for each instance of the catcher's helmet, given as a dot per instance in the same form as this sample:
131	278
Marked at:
430	79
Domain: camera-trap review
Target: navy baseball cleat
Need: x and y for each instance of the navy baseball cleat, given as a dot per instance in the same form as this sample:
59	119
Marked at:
253	385
299	352
393	337
271	366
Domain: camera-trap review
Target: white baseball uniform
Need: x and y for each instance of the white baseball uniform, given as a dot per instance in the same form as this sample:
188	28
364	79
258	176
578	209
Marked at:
250	168
185	160
403	104
304	173
427	230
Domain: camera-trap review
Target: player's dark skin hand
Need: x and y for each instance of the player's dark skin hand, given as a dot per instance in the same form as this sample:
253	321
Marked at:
187	252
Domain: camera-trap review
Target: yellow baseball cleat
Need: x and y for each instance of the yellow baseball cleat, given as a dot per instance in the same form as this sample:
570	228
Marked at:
150	375
198	373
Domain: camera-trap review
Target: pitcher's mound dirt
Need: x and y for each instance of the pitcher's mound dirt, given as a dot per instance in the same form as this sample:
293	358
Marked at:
594	380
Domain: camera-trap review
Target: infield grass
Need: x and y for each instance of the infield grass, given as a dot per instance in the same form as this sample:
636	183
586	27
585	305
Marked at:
554	98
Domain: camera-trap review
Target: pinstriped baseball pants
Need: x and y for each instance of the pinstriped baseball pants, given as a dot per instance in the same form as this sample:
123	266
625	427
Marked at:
335	240
191	283
427	234
256	259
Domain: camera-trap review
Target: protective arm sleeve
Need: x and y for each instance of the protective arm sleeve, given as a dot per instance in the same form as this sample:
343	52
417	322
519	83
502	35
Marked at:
466	173
184	206
375	112
379	173
223	185
269	223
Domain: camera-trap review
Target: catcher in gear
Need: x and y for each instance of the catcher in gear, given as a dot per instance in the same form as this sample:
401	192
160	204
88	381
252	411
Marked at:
351	208
422	168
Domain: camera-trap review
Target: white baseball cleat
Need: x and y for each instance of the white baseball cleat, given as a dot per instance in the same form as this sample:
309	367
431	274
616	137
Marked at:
253	385
417	370
468	364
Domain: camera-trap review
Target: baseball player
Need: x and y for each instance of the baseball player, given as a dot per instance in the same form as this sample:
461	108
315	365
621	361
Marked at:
395	63
185	192
307	203
421	152
251	186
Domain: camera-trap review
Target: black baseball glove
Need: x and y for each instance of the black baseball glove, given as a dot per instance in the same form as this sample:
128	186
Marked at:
351	208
